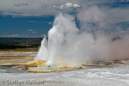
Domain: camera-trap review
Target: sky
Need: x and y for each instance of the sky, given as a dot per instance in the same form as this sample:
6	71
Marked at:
34	18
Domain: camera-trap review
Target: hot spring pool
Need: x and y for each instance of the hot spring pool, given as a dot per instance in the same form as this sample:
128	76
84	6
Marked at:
43	68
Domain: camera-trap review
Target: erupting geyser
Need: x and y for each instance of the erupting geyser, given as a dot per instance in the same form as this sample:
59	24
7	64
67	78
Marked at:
69	46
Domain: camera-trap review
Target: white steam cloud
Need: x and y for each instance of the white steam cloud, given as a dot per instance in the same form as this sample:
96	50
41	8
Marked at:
69	46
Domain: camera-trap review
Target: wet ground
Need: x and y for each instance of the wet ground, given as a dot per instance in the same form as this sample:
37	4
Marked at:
117	75
10	61
97	74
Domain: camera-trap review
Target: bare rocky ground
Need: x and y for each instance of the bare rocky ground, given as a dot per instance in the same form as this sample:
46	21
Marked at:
95	74
10	61
117	75
17	54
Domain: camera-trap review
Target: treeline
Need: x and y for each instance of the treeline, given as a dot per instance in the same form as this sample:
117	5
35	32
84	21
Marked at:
13	46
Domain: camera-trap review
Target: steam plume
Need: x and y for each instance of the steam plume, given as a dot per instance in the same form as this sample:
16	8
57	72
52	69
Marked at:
69	46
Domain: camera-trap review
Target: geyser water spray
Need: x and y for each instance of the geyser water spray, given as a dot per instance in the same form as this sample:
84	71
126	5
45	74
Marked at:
69	46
